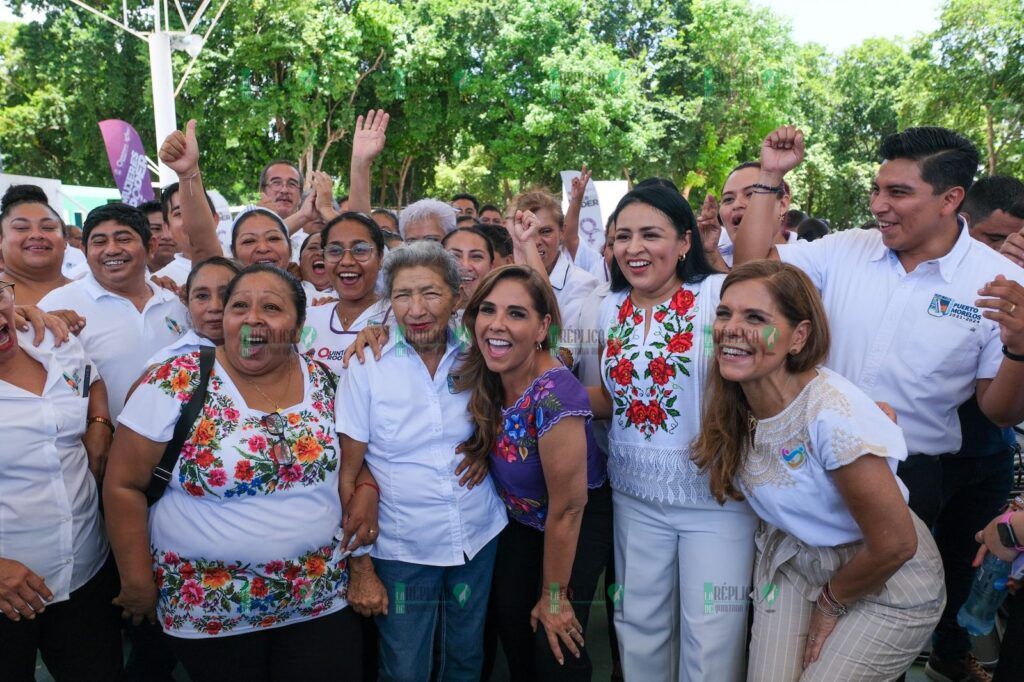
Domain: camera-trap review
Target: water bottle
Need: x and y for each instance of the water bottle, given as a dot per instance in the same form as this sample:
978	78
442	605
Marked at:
978	614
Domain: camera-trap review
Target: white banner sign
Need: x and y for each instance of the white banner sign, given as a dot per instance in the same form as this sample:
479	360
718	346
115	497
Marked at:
599	201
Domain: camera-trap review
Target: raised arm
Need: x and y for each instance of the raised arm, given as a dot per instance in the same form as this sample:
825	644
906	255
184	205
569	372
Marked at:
781	152
1001	398
869	489
129	468
563	457
572	214
367	142
180	152
524	243
710	231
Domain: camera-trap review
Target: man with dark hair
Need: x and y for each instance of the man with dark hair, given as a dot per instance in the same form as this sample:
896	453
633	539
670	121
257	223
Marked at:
923	317
489	213
466	204
989	209
180	265
791	221
465	220
500	239
165	246
810	229
129	318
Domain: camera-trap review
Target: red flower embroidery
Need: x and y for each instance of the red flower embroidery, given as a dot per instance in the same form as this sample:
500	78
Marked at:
682	301
659	316
661	371
622	373
164	372
258	588
243	471
625	310
192	593
187	571
680	342
213	627
204	458
636	413
614	346
217	477
655	414
193	489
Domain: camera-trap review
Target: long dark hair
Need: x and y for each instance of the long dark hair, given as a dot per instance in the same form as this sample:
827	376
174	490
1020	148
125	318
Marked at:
724	439
695	267
487	398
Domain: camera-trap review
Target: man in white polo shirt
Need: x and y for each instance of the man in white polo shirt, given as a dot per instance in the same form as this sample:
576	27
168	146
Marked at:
129	317
922	315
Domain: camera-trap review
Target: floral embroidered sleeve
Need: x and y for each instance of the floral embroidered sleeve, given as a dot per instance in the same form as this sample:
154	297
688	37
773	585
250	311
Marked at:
556	396
153	409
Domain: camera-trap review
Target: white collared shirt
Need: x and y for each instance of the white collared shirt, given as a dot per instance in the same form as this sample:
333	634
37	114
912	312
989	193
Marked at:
178	269
913	340
590	260
49	505
412	423
726	246
572	286
324	338
74	261
189	342
117	337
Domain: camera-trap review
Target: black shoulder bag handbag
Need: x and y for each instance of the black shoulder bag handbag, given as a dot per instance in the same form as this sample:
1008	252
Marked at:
186	418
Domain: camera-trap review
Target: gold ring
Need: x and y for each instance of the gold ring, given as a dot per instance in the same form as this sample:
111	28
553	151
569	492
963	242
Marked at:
1013	306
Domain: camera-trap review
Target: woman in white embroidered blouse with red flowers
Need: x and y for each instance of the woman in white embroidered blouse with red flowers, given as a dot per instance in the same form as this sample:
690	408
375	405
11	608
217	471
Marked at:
671	536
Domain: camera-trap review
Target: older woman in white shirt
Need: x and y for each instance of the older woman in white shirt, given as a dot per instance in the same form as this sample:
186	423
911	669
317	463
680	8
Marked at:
437	539
55	581
848	581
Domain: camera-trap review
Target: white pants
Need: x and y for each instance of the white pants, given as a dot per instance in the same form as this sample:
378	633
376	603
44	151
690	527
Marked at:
684	573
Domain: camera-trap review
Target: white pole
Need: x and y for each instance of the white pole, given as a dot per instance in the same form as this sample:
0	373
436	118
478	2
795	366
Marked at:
163	96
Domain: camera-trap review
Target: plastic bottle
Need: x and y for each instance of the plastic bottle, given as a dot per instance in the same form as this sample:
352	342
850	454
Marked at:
978	614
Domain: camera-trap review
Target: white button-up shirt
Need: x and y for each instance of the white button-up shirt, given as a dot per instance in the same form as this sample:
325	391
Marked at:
572	286
117	337
411	423
49	513
914	340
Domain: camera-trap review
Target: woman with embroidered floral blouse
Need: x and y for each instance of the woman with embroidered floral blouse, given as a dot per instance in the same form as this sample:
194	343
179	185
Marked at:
241	560
672	539
533	422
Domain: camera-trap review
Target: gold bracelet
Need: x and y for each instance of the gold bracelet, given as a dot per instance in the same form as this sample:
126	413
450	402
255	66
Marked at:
100	420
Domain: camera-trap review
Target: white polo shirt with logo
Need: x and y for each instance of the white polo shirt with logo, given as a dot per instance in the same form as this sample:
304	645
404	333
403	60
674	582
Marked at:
117	337
913	340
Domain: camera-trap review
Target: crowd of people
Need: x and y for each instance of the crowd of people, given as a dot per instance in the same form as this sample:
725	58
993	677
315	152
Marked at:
328	440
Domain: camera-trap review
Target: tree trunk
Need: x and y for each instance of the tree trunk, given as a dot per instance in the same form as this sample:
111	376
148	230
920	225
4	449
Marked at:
990	135
382	199
403	174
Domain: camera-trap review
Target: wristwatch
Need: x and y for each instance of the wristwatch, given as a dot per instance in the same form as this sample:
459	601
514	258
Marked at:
1006	535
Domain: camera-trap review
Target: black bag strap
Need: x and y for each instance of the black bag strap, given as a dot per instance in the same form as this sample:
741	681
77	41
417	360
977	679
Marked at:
186	418
329	375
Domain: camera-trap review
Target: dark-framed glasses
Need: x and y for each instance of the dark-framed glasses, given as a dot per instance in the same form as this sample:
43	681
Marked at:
275	425
361	252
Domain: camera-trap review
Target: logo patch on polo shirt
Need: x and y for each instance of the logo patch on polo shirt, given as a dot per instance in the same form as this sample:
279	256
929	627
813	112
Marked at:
944	306
73	381
174	326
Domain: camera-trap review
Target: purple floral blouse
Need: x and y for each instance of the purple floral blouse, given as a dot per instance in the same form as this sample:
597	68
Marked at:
515	460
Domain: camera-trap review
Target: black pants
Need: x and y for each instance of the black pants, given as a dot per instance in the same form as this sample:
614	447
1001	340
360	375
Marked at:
518	578
79	639
325	648
1011	654
956	497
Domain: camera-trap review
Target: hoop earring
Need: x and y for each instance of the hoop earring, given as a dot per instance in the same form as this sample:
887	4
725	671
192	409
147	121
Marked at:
682	258
540	346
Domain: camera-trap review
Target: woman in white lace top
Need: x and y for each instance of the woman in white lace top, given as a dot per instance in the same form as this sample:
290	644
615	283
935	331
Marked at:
847	580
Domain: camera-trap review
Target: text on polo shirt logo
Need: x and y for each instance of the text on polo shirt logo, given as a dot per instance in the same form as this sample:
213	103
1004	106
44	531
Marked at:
944	306
795	457
174	326
330	355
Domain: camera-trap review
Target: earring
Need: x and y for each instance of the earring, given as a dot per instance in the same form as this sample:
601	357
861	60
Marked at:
794	351
540	346
682	258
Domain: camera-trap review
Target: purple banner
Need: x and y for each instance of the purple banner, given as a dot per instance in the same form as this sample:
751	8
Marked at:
127	161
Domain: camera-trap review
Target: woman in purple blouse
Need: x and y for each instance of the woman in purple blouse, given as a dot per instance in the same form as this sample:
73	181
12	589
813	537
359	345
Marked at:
533	421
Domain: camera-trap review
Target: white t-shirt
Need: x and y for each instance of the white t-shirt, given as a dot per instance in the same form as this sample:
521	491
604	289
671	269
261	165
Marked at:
412	423
313	294
178	269
572	285
323	338
913	340
656	400
189	342
49	504
239	539
787	477
117	337
74	263
590	260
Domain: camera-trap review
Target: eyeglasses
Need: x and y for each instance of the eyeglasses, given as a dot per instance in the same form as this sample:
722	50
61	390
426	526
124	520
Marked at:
361	252
275	424
6	290
278	183
428	238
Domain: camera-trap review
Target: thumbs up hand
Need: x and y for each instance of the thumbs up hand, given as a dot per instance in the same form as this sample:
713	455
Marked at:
180	151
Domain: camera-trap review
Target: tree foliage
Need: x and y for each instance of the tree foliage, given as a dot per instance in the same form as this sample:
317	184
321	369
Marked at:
494	97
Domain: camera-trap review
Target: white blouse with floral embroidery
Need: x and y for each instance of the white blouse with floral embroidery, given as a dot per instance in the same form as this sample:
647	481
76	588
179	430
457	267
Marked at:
240	542
655	382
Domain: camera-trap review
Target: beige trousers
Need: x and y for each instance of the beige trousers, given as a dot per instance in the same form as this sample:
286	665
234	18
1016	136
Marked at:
877	640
